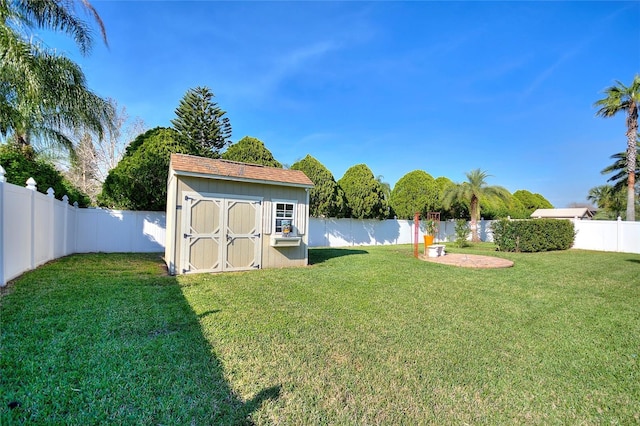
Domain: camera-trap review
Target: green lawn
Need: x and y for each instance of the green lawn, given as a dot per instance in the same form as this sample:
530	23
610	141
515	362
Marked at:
363	336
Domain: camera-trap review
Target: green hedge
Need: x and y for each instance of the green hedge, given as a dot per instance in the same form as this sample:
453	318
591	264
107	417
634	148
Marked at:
533	235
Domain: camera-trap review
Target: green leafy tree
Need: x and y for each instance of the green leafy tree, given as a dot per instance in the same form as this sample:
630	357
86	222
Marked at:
22	162
364	194
494	208
326	198
474	190
386	192
415	192
456	209
498	208
44	95
531	202
515	209
139	181
625	98
202	123
251	150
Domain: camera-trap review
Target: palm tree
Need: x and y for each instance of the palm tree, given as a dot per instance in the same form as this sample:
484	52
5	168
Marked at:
66	104
608	198
473	190
43	94
623	98
619	167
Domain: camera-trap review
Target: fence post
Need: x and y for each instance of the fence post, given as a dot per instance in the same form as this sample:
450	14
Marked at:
76	219
619	234
2	204
31	185
65	226
52	223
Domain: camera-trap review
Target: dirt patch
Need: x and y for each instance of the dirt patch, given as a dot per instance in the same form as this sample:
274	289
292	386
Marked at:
469	261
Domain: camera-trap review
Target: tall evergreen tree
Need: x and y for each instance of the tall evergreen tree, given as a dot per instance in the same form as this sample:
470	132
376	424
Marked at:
326	198
251	150
202	123
625	98
364	194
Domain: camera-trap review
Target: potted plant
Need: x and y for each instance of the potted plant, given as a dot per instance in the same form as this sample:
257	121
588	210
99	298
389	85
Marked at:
430	229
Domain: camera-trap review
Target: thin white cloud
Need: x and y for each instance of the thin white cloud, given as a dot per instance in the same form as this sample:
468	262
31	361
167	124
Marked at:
549	71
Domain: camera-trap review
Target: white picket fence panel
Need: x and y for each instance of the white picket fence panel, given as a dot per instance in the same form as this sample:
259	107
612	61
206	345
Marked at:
36	228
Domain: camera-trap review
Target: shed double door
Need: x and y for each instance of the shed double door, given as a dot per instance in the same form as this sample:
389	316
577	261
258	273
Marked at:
220	234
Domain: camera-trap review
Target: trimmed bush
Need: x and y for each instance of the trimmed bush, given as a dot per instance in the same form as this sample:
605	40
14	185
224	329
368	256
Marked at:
533	235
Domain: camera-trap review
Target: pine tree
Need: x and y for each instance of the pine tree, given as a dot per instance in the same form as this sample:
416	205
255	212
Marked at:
201	122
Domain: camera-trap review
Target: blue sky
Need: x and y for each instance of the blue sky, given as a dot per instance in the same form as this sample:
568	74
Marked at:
444	87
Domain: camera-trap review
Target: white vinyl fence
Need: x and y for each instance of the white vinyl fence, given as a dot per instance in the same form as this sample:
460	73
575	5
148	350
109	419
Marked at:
358	232
607	235
36	228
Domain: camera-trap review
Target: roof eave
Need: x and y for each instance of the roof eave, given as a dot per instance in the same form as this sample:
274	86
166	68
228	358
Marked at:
239	179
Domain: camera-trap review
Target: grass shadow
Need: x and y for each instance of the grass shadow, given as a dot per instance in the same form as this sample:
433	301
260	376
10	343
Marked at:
92	339
633	260
319	255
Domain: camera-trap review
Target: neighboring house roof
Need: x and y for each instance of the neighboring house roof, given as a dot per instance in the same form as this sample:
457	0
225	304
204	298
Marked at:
569	213
191	165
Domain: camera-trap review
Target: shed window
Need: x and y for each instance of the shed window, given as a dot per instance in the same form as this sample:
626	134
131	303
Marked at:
284	214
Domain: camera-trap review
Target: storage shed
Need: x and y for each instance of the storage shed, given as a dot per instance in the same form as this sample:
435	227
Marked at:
229	216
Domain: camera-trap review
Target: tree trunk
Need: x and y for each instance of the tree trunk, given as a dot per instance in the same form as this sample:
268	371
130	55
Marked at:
474	219
632	132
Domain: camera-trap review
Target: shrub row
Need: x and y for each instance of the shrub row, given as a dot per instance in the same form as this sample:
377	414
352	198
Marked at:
533	235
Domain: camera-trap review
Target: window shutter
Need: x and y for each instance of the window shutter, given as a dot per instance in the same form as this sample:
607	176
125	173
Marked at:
301	218
266	217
